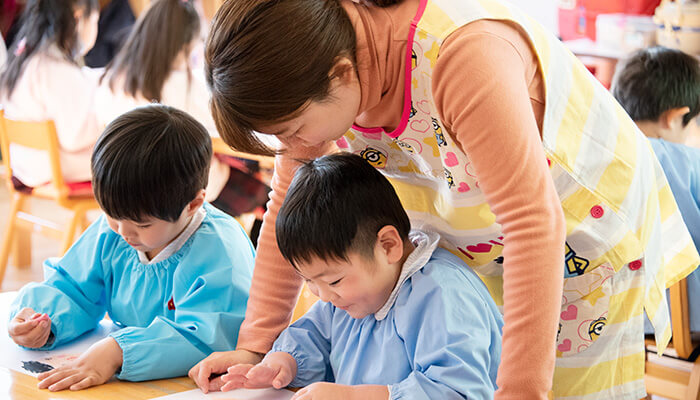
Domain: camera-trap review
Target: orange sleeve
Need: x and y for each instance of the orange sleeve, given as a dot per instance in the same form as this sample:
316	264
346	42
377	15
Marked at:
480	85
275	286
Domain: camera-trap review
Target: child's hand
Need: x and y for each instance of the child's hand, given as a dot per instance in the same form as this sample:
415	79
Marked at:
29	328
277	369
94	367
216	364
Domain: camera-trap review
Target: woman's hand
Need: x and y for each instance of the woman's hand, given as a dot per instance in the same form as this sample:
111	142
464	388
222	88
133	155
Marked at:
216	364
29	328
277	369
327	390
94	367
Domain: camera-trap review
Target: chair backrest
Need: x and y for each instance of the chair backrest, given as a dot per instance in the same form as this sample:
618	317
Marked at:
35	135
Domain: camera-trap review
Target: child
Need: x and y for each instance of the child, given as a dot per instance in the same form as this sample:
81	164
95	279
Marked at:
398	315
154	66
42	81
173	271
660	89
495	136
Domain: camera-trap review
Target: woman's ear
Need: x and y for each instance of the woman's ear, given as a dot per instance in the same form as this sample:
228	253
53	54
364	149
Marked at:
343	69
390	243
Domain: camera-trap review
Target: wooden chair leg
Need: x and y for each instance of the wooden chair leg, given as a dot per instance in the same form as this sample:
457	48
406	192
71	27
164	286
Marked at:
22	247
16	204
84	223
77	219
693	392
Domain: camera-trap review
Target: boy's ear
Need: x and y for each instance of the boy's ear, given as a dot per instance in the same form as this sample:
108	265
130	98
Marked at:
197	202
673	117
391	244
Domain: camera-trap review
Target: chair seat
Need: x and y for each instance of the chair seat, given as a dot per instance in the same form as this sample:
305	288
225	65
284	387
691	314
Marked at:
650	346
76	190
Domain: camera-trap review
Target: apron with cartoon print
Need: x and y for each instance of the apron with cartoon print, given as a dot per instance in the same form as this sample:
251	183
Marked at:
614	195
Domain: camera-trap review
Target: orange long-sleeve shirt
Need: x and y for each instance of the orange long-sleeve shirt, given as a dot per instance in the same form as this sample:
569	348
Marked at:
489	92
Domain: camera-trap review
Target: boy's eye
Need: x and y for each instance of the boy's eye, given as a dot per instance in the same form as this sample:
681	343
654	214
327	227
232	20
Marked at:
335	282
144	226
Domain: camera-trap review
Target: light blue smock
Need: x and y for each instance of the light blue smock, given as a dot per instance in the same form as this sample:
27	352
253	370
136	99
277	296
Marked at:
681	165
208	280
440	340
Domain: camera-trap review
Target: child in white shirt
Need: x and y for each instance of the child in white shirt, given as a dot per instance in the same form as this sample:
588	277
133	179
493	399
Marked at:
43	81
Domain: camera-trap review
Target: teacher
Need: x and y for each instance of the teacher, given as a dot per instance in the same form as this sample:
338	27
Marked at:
493	135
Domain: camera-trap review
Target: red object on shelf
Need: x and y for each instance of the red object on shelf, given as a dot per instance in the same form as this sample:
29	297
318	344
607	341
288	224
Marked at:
577	17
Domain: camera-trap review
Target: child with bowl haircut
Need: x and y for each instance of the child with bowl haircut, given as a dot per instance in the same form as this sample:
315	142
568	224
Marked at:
400	317
168	268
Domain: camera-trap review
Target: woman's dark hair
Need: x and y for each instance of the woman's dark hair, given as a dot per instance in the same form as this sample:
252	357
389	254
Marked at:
145	61
655	80
266	59
44	22
335	204
150	162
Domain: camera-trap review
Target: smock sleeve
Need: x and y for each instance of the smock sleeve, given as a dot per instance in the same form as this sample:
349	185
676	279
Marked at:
73	291
308	340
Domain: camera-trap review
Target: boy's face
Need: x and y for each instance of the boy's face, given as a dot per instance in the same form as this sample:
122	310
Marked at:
151	235
360	286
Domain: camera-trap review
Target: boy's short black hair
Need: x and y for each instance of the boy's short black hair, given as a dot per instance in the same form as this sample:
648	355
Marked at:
658	79
336	204
150	162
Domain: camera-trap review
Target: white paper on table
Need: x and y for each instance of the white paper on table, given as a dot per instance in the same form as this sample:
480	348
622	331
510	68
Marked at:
13	356
238	394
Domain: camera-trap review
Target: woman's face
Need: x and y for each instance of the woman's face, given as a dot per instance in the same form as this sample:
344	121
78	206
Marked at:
86	29
321	121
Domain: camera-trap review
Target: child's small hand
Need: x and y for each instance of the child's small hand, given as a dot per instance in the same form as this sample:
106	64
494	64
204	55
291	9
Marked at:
277	369
206	373
29	328
94	367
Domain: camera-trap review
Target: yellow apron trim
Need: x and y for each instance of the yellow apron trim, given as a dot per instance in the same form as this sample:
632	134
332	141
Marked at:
626	250
667	203
578	106
496	9
588	380
620	169
426	200
686	257
435	21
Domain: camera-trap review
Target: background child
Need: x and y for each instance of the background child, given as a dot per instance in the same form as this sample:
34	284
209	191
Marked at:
154	66
42	81
398	314
169	268
660	89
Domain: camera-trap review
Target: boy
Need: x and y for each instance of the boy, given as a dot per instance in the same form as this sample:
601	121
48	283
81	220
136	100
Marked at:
173	271
395	318
660	89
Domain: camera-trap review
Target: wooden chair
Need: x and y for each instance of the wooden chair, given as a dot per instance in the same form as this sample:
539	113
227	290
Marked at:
666	381
305	301
77	198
